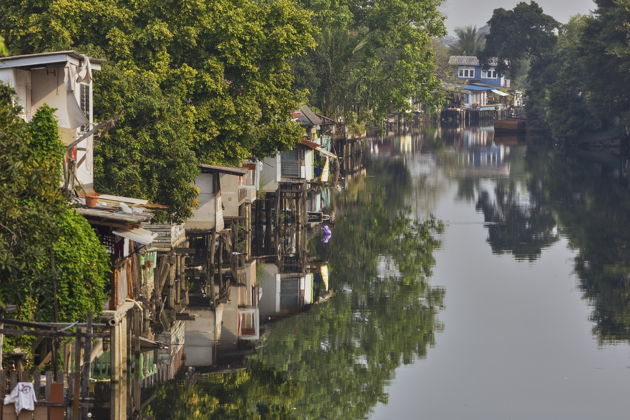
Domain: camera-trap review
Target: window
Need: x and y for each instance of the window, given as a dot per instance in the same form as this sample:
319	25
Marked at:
84	102
489	74
466	72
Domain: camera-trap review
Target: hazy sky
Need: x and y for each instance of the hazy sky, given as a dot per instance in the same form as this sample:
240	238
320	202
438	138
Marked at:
470	12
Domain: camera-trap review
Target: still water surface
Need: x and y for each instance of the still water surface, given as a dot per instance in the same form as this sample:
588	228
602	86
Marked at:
513	303
535	263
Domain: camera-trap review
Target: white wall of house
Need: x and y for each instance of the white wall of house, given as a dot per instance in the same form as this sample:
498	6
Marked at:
230	185
209	214
309	164
270	173
54	80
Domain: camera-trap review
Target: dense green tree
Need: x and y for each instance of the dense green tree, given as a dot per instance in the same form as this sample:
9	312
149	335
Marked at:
470	41
3	48
524	31
606	52
195	81
525	35
566	98
372	57
51	262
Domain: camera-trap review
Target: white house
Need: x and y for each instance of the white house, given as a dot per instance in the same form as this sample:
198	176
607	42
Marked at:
237	189
63	80
297	165
209	213
469	68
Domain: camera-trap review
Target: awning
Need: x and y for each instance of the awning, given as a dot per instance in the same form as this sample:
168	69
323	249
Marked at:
500	93
474	87
139	235
315	146
114	217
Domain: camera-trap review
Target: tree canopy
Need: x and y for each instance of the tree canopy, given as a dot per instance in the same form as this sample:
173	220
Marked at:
371	57
195	82
470	41
524	31
578	71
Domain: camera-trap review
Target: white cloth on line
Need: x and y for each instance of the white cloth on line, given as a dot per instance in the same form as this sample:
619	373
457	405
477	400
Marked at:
23	395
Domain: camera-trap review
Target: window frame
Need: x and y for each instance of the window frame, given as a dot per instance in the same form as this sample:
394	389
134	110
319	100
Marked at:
466	72
85	103
486	74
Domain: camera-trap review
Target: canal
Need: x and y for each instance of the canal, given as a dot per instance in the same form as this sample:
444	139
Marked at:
476	278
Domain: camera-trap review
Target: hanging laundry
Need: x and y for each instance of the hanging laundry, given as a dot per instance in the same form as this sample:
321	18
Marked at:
326	234
23	396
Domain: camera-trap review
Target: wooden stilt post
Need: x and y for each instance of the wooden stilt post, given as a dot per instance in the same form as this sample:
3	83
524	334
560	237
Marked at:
87	363
76	379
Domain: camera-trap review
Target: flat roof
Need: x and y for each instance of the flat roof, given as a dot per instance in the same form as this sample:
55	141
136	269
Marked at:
53	57
231	170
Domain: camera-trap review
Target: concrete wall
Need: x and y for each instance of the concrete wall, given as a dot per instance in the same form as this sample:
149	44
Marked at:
270	173
309	164
229	194
209	214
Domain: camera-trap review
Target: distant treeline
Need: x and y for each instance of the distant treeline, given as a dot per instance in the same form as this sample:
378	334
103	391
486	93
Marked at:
575	75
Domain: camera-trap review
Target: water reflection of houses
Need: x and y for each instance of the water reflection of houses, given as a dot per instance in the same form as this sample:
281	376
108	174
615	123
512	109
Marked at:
250	221
478	155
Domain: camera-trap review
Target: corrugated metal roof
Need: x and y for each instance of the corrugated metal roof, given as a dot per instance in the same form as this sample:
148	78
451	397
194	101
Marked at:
112	216
463	60
315	146
308	118
470	60
139	235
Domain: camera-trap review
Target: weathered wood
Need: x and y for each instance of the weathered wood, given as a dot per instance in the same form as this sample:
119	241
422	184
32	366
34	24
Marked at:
52	333
55	396
49	382
87	363
37	384
184	316
76	380
2	385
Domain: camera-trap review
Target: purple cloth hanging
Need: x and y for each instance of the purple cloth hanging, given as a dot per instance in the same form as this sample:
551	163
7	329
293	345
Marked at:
326	234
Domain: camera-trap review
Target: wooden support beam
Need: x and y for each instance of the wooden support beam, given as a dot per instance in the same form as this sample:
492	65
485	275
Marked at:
76	383
51	333
87	363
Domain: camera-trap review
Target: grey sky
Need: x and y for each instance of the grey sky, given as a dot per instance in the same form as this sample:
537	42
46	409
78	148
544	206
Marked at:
469	12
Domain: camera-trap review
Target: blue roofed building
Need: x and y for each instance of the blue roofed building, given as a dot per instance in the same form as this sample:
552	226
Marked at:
468	69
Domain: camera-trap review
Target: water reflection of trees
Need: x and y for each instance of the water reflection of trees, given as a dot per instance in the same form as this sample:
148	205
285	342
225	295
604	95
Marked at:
344	353
519	225
593	212
335	361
